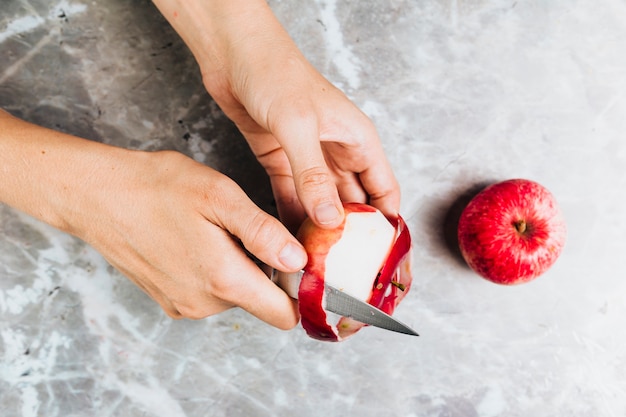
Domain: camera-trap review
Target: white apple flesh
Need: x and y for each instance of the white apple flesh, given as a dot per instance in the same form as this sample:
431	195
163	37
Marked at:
368	257
354	260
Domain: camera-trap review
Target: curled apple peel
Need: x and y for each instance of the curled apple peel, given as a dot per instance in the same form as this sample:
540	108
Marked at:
367	256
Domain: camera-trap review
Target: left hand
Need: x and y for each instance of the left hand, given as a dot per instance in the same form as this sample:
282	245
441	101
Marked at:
316	145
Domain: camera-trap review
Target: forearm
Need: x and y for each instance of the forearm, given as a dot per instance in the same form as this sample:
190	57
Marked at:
45	173
223	34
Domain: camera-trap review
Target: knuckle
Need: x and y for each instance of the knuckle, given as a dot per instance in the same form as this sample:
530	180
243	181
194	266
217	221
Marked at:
291	115
288	324
173	313
219	289
222	291
260	230
192	312
314	178
204	301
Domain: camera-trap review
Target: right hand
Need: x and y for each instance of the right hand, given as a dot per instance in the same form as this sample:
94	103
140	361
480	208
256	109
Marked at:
174	227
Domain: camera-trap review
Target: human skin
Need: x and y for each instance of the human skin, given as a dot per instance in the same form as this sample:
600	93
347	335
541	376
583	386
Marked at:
176	227
316	145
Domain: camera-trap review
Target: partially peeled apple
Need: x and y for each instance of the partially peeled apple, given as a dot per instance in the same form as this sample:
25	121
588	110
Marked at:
368	257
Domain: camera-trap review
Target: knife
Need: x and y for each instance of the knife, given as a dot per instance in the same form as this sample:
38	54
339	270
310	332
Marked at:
339	302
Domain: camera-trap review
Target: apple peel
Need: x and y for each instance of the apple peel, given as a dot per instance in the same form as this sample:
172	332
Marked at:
385	286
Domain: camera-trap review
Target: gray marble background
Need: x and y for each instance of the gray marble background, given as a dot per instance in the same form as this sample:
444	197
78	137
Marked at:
462	92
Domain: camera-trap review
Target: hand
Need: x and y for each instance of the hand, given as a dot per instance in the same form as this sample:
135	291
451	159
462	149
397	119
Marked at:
316	146
173	226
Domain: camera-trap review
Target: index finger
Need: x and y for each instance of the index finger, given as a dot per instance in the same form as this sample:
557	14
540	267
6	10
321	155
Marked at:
297	131
366	157
254	292
381	185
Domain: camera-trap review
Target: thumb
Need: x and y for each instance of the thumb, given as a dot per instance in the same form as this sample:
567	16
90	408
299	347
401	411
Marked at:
261	234
267	239
315	186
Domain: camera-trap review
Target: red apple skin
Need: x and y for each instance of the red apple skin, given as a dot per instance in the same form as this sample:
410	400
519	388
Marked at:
512	232
317	242
386	293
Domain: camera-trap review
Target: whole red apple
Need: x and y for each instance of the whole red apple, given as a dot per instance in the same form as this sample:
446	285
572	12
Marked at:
512	232
367	256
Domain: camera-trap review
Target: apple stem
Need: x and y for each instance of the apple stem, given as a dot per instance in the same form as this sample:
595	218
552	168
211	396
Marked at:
400	285
520	226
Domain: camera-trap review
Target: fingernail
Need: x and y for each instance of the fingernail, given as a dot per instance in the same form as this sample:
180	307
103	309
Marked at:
326	213
292	256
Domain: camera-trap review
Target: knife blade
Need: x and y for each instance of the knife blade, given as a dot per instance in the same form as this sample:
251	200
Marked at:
341	303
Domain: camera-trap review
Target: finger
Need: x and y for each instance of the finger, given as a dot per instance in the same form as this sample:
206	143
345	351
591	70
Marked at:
298	134
243	284
382	186
144	280
351	189
265	300
273	158
290	210
375	174
261	234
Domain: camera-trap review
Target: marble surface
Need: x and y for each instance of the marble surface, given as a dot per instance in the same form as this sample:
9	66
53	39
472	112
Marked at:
462	92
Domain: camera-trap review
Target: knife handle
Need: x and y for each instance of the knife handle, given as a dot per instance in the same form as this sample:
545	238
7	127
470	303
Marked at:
287	281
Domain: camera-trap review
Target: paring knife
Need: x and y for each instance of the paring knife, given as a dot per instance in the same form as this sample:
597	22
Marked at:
340	302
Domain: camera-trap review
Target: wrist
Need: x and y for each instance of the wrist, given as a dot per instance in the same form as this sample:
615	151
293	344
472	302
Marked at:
210	28
224	36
